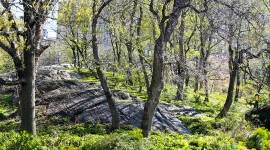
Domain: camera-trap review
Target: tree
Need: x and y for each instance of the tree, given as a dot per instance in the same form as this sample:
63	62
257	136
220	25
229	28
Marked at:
140	50
111	102
75	30
167	25
22	41
237	33
181	64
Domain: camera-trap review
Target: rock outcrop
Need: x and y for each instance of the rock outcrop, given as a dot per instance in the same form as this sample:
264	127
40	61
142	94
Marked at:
62	94
260	117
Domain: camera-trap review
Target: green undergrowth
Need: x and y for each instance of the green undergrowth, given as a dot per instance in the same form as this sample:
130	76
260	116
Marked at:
209	132
57	132
87	136
98	137
6	106
116	81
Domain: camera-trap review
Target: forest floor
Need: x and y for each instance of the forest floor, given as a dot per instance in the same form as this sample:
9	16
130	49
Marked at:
72	113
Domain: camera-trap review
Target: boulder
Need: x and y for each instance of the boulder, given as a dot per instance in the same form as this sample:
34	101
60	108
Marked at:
60	93
264	115
121	95
260	117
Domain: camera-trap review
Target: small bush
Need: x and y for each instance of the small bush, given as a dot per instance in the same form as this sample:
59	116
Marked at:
6	100
260	139
200	125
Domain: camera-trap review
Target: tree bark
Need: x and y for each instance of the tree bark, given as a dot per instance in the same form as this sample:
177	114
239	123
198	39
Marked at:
268	69
205	63
141	54
237	89
206	85
102	79
182	61
233	67
155	87
157	82
130	63
25	63
27	93
129	45
233	73
197	75
187	77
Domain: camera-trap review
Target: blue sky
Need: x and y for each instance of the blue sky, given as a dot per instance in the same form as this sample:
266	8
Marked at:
50	25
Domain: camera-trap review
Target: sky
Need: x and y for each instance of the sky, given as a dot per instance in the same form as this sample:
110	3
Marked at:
50	24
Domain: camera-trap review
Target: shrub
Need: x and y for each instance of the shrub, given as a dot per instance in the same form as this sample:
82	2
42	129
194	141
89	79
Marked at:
199	125
22	141
6	100
260	139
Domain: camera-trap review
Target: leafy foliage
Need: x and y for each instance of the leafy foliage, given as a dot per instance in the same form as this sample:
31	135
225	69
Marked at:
260	139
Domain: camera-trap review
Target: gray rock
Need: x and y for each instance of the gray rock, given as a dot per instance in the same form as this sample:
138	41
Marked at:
261	116
86	104
61	94
121	95
52	74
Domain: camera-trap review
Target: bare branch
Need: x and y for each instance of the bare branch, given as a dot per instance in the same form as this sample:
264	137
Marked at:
41	50
102	7
5	48
154	11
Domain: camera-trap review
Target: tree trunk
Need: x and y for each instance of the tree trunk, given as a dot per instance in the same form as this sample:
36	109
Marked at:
157	82
205	64
233	73
187	77
268	69
114	69
25	63
233	67
197	75
229	98
74	57
156	86
237	90
129	44
102	79
27	93
268	78
33	46
141	54
140	82
206	85
182	61
130	63
203	57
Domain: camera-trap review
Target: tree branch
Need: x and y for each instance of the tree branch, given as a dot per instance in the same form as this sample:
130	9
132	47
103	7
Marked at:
153	11
41	50
102	7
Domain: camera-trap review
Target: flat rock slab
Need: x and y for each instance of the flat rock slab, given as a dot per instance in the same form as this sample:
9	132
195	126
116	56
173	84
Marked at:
92	106
62	94
82	102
